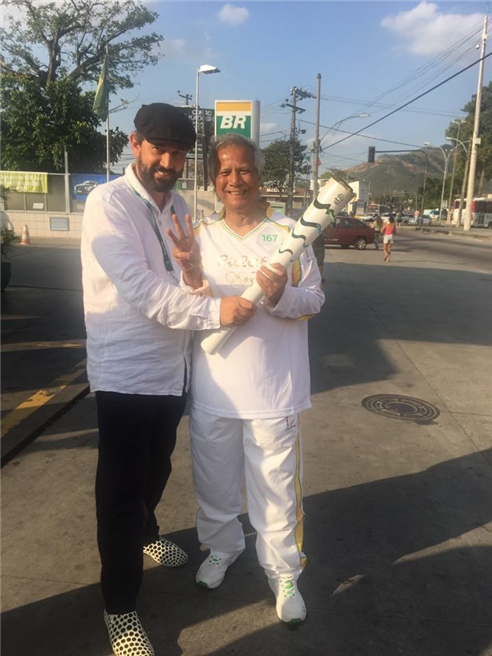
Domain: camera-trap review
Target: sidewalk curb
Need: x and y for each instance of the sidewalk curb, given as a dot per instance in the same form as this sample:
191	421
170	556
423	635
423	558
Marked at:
452	233
32	426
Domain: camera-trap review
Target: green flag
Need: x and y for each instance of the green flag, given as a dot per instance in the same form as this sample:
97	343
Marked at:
101	101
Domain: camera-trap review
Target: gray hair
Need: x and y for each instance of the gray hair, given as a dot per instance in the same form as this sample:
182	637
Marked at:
232	139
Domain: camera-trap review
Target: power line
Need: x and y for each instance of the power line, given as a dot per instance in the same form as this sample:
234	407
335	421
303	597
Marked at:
364	103
365	136
427	68
414	99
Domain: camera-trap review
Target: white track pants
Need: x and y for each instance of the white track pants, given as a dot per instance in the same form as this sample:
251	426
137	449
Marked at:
266	453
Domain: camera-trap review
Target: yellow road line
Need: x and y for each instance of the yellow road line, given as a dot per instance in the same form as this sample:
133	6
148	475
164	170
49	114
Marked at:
28	346
40	398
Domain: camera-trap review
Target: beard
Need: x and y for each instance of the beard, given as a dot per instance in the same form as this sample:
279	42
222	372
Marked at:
152	182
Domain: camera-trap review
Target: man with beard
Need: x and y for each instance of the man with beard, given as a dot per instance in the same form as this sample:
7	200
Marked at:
137	320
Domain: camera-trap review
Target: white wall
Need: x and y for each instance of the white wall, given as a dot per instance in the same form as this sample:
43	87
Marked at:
38	223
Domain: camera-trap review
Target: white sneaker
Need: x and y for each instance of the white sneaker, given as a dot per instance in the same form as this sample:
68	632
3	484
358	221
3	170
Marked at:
212	571
127	636
290	604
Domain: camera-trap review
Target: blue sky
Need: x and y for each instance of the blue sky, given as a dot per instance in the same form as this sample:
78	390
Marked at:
365	51
361	49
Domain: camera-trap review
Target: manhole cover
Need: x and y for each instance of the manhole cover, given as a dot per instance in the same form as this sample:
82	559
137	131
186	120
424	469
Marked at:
401	407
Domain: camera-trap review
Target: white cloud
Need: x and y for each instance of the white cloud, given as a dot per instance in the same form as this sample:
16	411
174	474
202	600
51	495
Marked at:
233	15
425	30
267	127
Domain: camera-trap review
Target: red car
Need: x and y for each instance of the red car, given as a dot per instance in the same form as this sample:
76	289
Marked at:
345	231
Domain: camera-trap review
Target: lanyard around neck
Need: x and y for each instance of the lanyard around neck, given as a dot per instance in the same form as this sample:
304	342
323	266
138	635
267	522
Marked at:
153	223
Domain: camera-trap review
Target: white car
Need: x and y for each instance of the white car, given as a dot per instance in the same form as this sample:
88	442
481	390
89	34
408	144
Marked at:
425	219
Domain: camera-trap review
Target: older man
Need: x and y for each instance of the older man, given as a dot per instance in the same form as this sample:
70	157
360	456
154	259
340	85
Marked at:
246	399
137	318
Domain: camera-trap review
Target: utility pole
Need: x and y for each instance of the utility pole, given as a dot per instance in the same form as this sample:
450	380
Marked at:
475	139
187	97
296	92
290	190
316	140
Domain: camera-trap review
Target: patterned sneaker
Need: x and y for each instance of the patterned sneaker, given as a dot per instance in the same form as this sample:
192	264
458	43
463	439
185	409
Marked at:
213	570
166	553
290	604
127	636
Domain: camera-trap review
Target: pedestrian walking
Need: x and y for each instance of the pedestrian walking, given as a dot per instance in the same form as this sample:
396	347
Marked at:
137	319
377	225
388	232
246	400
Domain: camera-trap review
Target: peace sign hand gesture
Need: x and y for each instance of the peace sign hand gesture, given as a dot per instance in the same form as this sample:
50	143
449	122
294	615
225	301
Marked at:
186	250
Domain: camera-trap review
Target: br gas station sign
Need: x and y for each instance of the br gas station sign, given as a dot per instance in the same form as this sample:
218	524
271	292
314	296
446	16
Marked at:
240	116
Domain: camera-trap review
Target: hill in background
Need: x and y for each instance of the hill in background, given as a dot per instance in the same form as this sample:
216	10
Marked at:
402	172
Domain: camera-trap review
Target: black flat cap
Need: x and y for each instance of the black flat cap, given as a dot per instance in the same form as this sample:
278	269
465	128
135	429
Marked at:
160	122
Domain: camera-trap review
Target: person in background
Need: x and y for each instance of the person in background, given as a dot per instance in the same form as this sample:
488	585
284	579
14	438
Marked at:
377	225
137	319
246	399
388	232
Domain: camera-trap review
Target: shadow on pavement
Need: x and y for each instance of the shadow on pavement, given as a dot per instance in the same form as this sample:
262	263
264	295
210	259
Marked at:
374	585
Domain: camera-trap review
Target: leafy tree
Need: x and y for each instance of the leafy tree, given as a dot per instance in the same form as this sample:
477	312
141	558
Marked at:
277	162
484	151
433	189
4	192
74	35
38	123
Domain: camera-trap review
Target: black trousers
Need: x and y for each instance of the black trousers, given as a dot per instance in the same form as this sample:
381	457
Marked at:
137	435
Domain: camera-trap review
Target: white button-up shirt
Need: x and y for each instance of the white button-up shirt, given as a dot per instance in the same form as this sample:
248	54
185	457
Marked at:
137	317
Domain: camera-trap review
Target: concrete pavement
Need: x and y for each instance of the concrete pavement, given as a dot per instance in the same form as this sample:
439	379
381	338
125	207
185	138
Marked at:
398	513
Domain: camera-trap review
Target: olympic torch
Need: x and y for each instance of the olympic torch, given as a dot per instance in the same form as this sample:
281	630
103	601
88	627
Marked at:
332	198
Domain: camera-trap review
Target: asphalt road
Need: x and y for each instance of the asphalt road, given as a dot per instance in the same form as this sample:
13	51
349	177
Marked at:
434	295
43	333
42	320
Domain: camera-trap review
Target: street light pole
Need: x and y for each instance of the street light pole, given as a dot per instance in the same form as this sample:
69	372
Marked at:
450	199
207	69
463	186
339	123
446	159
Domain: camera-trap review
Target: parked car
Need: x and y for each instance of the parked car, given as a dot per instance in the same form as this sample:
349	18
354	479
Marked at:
344	231
83	188
367	218
424	219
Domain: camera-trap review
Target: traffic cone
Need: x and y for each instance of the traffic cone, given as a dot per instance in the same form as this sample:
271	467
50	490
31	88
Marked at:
25	239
